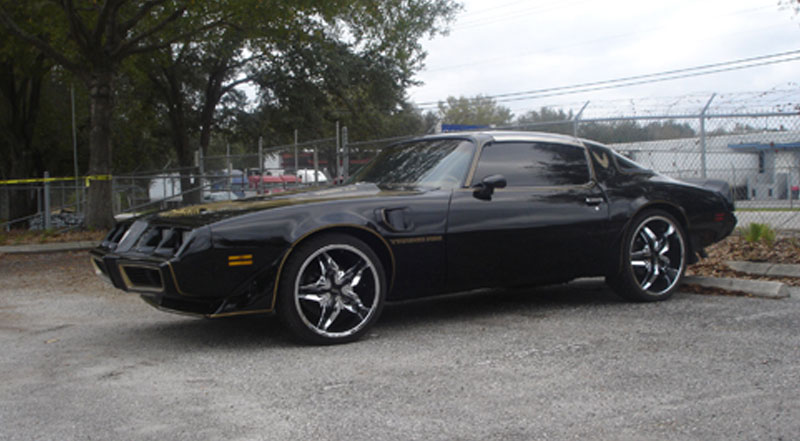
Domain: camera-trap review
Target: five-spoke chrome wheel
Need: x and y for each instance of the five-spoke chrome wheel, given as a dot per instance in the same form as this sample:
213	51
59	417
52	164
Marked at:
654	257
657	254
336	290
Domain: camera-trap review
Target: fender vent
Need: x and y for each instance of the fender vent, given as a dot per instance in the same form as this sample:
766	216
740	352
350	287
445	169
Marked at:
396	219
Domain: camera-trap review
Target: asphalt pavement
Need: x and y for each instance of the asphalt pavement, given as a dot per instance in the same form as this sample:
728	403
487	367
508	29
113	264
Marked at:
82	361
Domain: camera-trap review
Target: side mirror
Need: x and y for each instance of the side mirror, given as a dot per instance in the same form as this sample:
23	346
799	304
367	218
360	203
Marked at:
484	189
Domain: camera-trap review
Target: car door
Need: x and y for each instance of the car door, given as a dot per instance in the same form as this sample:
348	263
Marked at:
547	224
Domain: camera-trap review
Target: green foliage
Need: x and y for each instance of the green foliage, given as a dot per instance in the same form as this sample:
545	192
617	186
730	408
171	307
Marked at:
755	232
632	131
547	120
477	110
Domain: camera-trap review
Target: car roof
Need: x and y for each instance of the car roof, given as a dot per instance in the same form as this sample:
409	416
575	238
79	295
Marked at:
507	136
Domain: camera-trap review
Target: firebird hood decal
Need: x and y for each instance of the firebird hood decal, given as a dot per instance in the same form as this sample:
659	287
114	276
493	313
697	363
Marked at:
215	211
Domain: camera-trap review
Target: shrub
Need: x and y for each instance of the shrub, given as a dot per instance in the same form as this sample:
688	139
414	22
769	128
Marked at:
755	232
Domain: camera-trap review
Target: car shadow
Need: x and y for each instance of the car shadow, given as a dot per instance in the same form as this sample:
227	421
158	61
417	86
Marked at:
531	301
189	333
265	330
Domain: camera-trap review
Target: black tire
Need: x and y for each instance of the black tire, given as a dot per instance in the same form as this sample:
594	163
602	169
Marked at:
332	289
653	257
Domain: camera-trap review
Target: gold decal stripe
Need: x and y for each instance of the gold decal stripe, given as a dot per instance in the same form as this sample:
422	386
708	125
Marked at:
241	257
421	239
240	263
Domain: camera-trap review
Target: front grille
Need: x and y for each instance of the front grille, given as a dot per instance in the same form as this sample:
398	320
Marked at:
115	235
142	278
164	241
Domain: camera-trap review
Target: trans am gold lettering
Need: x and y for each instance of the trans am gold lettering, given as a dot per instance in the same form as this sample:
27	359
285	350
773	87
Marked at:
413	240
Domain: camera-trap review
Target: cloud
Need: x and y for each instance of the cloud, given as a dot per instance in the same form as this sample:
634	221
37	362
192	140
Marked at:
514	46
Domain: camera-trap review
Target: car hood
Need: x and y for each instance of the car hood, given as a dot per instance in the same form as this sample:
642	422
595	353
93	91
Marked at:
204	214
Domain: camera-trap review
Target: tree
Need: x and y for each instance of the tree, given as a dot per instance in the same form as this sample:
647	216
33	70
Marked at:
548	120
92	39
478	110
313	61
793	5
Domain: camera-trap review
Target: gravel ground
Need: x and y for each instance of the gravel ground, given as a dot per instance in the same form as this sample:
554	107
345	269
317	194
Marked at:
81	361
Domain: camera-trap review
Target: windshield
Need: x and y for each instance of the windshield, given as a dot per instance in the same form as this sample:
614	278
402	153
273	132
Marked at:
439	163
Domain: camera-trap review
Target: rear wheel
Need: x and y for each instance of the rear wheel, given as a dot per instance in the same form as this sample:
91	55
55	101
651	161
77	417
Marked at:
331	290
653	258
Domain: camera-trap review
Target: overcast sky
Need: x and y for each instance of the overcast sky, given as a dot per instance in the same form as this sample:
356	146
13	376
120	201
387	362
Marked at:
505	46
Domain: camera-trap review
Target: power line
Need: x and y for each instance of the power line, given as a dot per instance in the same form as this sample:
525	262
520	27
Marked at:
707	69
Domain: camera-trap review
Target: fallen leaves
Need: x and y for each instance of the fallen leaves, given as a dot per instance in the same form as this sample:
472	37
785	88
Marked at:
783	250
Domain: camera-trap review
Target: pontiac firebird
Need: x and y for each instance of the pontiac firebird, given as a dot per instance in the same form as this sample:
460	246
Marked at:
432	215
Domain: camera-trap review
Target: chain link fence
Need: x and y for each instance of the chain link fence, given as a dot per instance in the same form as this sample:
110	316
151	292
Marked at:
757	153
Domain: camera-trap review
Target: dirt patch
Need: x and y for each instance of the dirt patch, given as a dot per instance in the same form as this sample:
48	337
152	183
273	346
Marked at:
65	272
24	237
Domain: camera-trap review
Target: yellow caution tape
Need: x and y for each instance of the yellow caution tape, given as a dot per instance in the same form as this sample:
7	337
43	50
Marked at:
97	178
86	179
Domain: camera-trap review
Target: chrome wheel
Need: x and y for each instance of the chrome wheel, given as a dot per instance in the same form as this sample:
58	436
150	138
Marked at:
657	255
337	291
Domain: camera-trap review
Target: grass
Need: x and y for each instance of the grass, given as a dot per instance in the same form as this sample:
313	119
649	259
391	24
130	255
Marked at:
755	232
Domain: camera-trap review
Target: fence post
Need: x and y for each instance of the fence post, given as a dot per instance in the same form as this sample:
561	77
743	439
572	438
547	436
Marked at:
230	168
116	196
200	160
296	161
703	135
47	220
577	119
75	152
316	166
345	154
337	168
260	165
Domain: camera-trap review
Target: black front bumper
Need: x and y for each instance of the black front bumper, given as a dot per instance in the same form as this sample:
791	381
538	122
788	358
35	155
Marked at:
152	278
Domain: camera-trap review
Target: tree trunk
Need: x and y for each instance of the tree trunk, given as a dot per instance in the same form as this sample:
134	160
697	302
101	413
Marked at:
191	195
21	93
99	213
180	140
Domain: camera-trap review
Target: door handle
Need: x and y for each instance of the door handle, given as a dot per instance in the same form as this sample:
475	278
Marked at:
594	201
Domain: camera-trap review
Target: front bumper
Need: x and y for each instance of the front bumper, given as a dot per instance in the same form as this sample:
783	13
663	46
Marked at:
178	269
154	280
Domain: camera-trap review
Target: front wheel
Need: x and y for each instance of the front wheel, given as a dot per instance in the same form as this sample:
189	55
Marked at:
331	290
653	258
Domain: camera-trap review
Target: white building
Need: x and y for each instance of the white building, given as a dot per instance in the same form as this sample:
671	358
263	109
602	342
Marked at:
761	165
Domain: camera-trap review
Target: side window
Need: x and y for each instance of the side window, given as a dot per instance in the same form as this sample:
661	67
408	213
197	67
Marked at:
602	161
526	164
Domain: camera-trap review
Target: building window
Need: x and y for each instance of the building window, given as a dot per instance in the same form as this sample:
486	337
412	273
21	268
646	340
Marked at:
761	162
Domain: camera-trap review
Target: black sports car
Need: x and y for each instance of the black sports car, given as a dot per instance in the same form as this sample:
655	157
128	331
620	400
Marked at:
432	215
